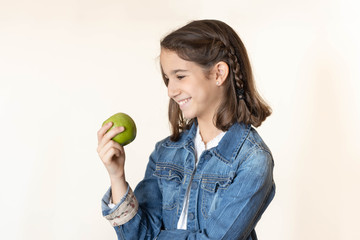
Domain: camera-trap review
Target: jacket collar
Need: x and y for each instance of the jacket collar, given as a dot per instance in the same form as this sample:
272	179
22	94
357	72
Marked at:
186	138
230	145
227	149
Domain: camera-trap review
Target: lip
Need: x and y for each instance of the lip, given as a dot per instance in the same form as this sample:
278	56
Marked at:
182	103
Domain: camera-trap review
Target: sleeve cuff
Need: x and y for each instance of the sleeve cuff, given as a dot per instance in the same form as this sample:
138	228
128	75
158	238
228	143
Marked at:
124	211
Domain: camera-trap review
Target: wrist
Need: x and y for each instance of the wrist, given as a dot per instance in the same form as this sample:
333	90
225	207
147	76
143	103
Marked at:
118	182
118	188
117	178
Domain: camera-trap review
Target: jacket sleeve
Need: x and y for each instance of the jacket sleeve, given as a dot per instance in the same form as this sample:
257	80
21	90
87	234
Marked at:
147	221
249	195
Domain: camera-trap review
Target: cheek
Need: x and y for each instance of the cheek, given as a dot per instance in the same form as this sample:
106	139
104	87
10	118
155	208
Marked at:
205	93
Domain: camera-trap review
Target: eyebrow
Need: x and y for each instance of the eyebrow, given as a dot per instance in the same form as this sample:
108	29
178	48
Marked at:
178	70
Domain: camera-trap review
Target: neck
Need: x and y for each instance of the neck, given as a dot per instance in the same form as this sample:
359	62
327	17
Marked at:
208	130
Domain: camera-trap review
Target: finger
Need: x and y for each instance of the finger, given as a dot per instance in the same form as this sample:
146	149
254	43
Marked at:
110	154
108	145
103	130
110	135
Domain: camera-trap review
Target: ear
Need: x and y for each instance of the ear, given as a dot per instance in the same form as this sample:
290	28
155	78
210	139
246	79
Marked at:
221	72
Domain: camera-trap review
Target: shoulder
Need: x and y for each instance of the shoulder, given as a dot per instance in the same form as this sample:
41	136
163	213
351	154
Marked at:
239	142
255	154
184	139
255	141
166	145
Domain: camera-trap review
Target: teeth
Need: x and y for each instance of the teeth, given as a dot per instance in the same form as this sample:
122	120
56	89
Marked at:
182	102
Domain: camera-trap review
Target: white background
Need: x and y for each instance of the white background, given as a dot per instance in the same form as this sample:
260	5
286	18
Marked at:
66	66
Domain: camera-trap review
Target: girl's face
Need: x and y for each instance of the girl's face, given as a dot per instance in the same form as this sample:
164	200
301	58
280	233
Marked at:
197	96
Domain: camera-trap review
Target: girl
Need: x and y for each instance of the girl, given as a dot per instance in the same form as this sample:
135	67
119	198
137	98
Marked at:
213	177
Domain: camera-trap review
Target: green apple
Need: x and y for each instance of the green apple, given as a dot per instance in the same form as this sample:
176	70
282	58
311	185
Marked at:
124	120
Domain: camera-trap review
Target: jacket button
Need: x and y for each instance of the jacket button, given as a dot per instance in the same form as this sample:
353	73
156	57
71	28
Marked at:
194	185
191	216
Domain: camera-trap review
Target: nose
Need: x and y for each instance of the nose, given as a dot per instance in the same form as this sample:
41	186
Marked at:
173	89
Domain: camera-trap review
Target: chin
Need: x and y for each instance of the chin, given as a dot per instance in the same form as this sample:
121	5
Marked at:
188	115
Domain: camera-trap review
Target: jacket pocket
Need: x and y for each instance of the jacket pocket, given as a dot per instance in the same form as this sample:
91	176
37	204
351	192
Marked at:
212	189
170	177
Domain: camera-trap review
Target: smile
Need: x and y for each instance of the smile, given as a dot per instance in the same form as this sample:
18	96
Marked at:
182	102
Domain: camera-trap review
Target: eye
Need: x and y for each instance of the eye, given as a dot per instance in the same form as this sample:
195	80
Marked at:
180	77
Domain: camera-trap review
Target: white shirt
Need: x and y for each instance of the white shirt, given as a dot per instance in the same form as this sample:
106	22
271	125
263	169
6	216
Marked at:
199	148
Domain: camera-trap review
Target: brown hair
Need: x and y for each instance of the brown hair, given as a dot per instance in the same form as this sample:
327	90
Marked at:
207	42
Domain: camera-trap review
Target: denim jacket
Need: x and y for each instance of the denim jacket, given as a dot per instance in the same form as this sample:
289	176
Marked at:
230	189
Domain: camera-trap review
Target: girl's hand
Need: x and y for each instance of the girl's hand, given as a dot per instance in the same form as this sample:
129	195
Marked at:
111	153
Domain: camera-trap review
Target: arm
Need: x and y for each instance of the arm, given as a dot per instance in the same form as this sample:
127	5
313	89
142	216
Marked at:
247	198
146	221
112	155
